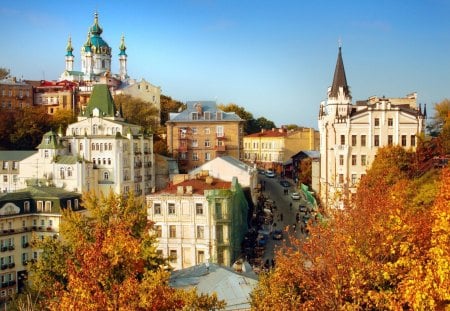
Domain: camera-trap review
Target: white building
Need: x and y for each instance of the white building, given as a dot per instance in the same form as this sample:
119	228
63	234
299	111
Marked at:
350	134
99	153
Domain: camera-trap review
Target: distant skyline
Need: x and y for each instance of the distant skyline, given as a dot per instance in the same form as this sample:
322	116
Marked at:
274	58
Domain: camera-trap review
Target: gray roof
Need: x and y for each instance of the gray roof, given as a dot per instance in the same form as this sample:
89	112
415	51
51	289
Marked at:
15	155
208	108
231	286
229	159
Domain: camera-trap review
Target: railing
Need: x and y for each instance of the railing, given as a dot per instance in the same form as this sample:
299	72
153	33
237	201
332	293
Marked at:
220	148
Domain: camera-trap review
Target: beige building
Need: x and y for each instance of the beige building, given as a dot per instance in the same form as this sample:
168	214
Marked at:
271	148
199	220
350	134
202	132
56	96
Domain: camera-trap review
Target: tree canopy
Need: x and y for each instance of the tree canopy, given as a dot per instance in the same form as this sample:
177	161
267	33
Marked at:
388	250
106	259
4	73
169	105
138	111
251	125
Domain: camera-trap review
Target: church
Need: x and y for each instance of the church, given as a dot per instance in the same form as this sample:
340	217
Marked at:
350	134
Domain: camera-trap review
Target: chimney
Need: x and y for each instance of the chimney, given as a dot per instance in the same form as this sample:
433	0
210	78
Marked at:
209	180
180	190
199	108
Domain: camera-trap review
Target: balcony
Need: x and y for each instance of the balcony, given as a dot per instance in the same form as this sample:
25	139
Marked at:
137	178
138	164
220	136
220	148
183	148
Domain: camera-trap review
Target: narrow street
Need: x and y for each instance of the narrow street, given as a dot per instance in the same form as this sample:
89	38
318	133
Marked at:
283	215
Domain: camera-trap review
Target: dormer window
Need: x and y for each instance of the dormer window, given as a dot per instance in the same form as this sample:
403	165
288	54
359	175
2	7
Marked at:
194	116
207	115
47	140
219	115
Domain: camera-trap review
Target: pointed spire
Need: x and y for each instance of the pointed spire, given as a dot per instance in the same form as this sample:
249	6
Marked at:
88	44
425	110
122	46
96	30
69	47
339	79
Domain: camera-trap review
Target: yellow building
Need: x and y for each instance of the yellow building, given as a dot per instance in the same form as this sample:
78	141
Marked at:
202	132
270	148
15	94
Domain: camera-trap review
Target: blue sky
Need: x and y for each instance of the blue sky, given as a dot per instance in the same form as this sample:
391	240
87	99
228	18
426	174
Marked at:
275	58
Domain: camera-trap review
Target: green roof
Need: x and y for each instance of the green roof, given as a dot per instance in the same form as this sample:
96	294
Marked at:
39	193
102	100
50	141
15	155
66	159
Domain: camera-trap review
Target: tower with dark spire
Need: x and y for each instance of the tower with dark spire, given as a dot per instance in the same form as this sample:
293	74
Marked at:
69	55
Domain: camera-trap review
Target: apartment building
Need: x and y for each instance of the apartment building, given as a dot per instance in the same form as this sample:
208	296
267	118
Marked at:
56	95
199	220
31	212
350	134
271	148
15	94
10	168
203	132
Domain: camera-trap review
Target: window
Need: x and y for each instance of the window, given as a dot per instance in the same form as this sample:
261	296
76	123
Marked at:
353	159
194	156
363	140
158	231
377	122
376	140
353	140
207	156
62	173
363	160
341	179
172	231
194	143
5	178
207	130
48	206
15	165
218	210
69	172
353	179
207	115
341	159
219	131
200	257
413	140
342	139
171	208
194	131
40	206
109	161
219	233
105	175
207	143
5	165
157	208
194	116
76	203
219	115
50	222
81	146
199	208
390	122
390	140
200	232
26	206
42	222
46	154
403	140
173	255
69	204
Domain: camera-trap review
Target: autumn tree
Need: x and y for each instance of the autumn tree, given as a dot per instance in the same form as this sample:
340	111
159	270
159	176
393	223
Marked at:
169	105
30	124
305	171
106	259
439	118
251	125
138	111
4	73
61	119
383	252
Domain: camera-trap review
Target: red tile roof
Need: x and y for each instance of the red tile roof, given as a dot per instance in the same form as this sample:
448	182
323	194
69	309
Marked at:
198	186
269	133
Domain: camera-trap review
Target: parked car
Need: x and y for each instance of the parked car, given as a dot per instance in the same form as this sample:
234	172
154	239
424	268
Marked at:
270	174
295	196
261	171
277	234
285	183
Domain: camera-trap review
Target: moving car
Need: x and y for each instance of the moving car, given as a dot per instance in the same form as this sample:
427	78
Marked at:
295	196
277	234
270	173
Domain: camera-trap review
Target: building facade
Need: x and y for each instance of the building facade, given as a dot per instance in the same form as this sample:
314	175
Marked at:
34	212
271	148
350	134
100	153
15	94
203	132
199	220
56	95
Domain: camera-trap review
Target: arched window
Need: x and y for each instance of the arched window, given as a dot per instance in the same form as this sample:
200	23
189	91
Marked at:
109	161
93	146
94	129
106	146
81	146
69	171
61	173
97	147
110	146
105	175
104	161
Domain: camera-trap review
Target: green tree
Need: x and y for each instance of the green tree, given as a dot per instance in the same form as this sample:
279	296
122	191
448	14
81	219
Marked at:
264	123
137	111
4	73
106	259
251	125
31	123
61	119
441	114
